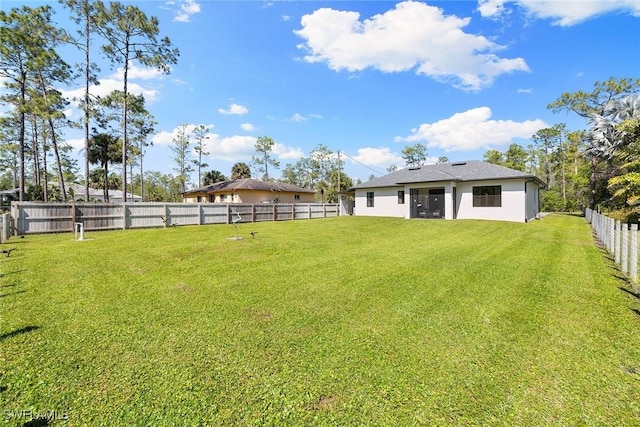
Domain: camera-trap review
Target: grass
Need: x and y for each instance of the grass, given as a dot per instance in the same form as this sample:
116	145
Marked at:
343	321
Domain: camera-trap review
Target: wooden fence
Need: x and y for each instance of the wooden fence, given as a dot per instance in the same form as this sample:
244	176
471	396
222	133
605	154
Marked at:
37	217
619	239
5	226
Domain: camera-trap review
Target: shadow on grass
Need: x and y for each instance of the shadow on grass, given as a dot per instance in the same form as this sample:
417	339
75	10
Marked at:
17	332
11	272
12	293
636	311
37	422
633	293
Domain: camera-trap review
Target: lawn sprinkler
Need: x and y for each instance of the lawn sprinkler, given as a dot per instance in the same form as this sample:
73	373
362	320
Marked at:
8	251
78	232
235	223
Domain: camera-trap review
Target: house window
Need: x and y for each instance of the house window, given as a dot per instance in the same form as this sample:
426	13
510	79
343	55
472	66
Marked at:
401	197
199	199
487	196
223	198
212	198
369	199
296	197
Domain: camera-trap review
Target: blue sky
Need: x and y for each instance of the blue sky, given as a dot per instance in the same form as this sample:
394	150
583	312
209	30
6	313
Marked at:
371	77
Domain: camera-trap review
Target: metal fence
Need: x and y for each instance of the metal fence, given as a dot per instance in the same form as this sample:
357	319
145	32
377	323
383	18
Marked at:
619	239
36	217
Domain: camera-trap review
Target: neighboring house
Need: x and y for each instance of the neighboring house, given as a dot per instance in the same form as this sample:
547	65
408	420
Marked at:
460	190
249	191
97	195
7	196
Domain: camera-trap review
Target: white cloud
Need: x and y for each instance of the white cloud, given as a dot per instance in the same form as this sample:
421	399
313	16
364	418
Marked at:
523	90
472	130
248	127
380	156
563	13
232	148
185	9
166	138
411	36
115	81
286	18
235	109
76	143
135	72
297	117
229	148
491	8
284	152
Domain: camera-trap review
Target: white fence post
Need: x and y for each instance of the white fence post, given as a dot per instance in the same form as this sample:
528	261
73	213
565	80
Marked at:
618	244
633	261
624	252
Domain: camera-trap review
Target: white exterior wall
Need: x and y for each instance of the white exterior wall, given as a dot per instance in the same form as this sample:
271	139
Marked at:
513	201
533	201
385	202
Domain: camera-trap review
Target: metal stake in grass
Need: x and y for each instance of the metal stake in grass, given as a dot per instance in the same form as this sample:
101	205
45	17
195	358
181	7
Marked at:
235	223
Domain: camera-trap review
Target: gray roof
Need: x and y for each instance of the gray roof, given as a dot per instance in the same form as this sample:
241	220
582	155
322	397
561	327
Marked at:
249	184
472	170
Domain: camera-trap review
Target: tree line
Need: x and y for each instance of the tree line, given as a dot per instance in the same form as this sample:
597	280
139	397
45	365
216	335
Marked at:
116	127
596	167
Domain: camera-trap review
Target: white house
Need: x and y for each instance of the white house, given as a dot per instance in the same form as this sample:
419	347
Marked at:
461	190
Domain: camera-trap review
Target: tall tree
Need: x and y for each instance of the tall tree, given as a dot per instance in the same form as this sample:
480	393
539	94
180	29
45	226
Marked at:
27	39
9	148
49	105
181	149
414	155
515	157
103	150
591	106
132	37
142	126
624	121
82	13
264	159
548	140
493	156
200	134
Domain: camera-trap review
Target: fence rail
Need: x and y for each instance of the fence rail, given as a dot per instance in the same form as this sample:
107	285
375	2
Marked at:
35	217
619	239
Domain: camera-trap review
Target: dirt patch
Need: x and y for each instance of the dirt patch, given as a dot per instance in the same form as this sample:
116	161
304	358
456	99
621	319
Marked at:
183	287
326	403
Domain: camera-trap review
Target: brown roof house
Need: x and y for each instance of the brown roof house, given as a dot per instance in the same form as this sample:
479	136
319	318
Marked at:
249	191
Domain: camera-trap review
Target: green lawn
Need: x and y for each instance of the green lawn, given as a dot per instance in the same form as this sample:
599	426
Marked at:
342	321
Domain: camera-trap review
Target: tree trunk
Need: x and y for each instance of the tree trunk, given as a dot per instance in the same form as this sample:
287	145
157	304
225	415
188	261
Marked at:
44	167
87	76
124	123
21	134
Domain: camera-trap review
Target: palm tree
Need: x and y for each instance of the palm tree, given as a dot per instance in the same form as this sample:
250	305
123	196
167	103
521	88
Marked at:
240	170
104	149
211	177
